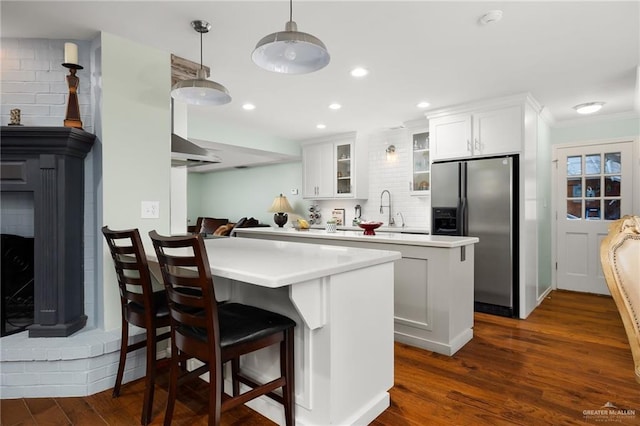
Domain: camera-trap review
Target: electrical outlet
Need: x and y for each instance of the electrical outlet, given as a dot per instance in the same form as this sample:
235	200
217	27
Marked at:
150	210
294	191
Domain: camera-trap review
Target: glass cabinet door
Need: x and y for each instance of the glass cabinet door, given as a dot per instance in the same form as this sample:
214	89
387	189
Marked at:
421	164
343	169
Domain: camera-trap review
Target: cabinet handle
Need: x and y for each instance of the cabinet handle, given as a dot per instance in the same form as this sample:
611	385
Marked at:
476	145
410	186
468	145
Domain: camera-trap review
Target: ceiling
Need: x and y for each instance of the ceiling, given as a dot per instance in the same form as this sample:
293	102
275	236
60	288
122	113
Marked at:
563	53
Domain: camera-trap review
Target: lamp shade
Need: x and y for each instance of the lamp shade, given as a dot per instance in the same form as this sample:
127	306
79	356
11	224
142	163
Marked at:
280	205
200	91
291	52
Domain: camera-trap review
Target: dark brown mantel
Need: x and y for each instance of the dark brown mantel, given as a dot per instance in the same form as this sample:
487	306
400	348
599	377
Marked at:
49	161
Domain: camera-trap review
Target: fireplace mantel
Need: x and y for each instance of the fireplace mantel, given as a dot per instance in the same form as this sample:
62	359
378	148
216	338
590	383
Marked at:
49	162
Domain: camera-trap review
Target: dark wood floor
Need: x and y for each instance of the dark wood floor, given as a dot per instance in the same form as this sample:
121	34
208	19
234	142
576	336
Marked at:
569	356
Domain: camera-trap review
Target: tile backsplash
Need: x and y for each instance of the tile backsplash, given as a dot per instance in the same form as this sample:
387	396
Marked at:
393	175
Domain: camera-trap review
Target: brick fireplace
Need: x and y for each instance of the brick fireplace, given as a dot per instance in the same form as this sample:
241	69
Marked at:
48	162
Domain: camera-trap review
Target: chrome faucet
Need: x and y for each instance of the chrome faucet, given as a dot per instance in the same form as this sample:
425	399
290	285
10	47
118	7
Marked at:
391	221
401	218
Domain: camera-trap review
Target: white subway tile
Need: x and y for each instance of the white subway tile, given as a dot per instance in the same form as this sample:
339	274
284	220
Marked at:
18	75
20	379
9	64
50	99
54	76
35	65
23	87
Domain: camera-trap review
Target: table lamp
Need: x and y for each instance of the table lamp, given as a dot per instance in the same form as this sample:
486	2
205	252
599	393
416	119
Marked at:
280	207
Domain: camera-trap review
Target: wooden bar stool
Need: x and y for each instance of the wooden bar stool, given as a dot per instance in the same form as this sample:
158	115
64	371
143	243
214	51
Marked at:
216	333
140	306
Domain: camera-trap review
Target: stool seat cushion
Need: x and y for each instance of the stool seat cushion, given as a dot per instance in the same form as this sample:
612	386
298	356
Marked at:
242	323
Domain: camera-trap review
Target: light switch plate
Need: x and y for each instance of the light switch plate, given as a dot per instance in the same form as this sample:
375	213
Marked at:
150	210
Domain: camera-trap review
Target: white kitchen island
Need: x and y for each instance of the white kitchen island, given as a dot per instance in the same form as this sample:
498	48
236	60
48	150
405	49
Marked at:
433	290
342	301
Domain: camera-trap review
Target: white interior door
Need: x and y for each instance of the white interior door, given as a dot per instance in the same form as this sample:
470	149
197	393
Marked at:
593	188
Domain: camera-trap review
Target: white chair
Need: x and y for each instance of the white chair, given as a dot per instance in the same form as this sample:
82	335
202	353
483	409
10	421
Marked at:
620	258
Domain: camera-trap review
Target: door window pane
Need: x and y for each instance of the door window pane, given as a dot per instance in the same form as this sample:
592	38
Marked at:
612	209
574	209
592	210
592	187
574	187
574	166
592	164
612	162
612	186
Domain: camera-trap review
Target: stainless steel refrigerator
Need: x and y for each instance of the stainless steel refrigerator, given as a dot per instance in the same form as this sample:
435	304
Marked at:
479	198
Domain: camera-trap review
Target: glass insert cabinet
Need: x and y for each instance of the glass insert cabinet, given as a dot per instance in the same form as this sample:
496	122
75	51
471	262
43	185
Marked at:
593	186
421	164
343	166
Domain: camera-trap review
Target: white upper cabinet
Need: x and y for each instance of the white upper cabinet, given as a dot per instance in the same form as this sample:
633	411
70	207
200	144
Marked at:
317	165
451	136
487	131
334	168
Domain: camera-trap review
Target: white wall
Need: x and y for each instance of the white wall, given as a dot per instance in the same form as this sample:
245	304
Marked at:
34	81
136	138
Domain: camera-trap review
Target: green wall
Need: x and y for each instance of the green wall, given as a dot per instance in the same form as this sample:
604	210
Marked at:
597	129
136	150
246	192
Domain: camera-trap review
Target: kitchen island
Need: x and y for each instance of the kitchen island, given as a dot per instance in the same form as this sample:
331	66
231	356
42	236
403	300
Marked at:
433	282
342	301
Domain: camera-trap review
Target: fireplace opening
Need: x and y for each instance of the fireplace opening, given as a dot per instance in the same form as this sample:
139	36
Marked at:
17	283
17	260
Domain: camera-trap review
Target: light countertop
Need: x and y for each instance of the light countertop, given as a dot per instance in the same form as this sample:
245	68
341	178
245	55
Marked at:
281	263
400	229
441	241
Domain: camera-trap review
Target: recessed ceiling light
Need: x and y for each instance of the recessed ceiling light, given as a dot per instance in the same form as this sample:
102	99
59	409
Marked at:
423	104
491	17
359	72
321	126
248	106
335	105
588	108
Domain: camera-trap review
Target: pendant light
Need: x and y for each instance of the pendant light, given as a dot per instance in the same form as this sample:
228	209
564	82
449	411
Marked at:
200	91
291	51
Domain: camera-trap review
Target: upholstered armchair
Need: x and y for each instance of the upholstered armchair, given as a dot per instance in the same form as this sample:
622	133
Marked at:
620	257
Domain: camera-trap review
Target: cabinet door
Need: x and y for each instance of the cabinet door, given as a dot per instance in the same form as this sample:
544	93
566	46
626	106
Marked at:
344	166
421	165
498	131
451	136
317	171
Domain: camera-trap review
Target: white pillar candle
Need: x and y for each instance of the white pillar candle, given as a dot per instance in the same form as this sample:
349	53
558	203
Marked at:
70	53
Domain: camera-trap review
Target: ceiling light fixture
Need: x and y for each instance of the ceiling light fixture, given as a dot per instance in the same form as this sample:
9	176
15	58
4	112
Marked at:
200	91
335	105
423	104
588	108
321	126
248	107
491	17
291	51
359	72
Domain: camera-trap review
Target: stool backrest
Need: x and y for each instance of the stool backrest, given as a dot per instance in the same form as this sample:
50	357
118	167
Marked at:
188	282
132	269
